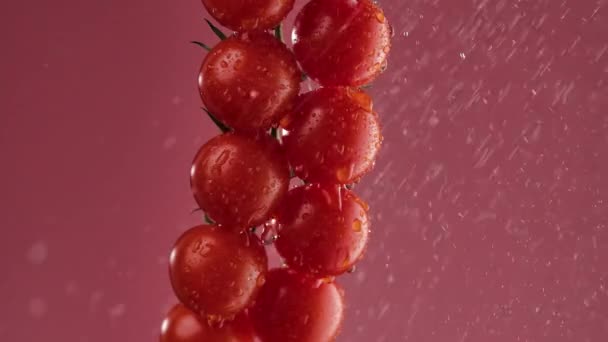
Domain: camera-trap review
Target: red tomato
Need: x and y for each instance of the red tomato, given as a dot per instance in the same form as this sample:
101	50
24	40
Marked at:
249	15
342	42
292	308
334	136
323	229
217	272
249	81
183	325
238	180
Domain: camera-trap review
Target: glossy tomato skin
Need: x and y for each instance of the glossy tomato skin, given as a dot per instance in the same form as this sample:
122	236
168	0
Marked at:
334	136
323	229
217	272
183	325
249	81
342	42
249	15
293	308
238	180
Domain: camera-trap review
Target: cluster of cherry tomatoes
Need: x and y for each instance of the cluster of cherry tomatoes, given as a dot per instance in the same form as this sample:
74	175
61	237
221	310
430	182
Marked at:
327	138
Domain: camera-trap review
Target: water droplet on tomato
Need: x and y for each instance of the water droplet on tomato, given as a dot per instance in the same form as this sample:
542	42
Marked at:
361	98
327	196
345	174
320	157
222	158
363	204
261	280
357	225
270	234
346	261
214	319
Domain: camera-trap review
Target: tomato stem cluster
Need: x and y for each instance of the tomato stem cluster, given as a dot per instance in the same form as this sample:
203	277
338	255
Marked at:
271	132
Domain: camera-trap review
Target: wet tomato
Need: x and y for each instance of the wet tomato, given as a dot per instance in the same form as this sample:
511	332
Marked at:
249	81
239	180
323	229
216	272
248	15
183	325
334	135
342	42
293	308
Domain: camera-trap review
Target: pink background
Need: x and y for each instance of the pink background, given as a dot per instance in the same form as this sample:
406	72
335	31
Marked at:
490	197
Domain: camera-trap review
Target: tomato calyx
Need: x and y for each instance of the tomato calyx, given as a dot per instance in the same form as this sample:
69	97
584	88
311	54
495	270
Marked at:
224	128
278	32
219	33
208	220
201	44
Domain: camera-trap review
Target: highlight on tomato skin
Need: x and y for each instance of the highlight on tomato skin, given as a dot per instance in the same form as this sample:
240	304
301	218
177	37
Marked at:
239	180
183	325
249	81
249	15
342	42
295	308
323	229
217	272
334	135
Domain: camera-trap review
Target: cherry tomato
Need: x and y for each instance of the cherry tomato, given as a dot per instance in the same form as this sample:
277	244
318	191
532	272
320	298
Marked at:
334	136
323	229
342	42
239	180
293	308
249	15
249	81
217	272
183	325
